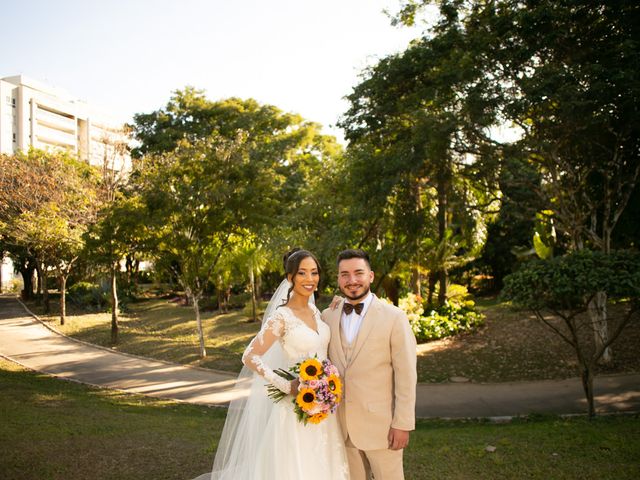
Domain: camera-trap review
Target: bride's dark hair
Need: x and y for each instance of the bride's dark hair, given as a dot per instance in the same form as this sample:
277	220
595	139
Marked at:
291	262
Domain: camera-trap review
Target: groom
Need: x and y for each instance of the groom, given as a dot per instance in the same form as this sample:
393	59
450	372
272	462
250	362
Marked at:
375	351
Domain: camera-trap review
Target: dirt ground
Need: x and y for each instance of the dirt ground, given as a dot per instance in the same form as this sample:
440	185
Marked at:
514	345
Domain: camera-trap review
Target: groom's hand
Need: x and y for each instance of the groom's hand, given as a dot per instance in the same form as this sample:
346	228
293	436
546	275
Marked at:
398	439
335	302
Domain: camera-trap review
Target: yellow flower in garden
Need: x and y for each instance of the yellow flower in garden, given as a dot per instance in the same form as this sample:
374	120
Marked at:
310	369
318	417
335	385
306	398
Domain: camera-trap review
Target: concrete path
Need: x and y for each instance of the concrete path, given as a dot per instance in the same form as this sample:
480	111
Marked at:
27	341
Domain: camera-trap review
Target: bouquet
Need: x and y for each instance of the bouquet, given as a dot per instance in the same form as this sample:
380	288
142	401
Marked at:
319	392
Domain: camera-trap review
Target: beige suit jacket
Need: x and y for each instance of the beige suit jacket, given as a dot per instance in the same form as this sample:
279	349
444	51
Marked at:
380	381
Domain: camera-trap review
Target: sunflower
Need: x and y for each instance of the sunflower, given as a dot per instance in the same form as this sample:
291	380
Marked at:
306	398
310	369
335	385
318	417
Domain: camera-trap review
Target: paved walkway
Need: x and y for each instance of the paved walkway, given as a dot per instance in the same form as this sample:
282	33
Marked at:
27	341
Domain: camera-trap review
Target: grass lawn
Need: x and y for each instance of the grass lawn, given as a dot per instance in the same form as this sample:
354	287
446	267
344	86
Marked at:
510	346
54	429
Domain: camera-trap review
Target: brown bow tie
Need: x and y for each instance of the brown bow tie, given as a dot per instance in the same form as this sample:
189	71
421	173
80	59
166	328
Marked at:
348	308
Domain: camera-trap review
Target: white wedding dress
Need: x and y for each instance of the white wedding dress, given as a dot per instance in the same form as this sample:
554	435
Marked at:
263	440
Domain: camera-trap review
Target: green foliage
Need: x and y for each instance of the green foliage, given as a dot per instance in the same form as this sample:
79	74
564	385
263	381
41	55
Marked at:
416	124
446	320
85	422
227	173
545	235
48	200
88	296
570	281
456	315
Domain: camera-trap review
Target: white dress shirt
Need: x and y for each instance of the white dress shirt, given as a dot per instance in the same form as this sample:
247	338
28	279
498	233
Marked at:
351	323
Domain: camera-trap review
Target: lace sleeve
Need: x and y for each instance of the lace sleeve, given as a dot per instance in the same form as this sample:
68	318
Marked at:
271	331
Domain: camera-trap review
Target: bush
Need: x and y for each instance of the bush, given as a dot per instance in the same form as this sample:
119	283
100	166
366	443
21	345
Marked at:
458	314
569	281
15	285
88	295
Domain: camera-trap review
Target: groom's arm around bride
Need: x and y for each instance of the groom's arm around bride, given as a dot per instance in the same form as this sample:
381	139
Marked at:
375	350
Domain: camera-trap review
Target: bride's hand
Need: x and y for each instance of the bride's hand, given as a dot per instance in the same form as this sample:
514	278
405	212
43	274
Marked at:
295	384
335	302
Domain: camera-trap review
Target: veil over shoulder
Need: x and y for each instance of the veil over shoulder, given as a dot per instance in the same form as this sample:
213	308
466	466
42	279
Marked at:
249	413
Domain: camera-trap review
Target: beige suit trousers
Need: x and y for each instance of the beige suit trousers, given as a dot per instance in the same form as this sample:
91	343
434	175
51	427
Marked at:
382	464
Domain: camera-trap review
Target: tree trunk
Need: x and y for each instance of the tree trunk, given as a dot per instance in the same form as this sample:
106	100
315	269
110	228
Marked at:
44	284
196	307
415	281
587	385
63	298
114	302
433	279
252	281
390	286
443	205
442	287
258	284
26	271
415	270
38	283
136	275
45	294
598	315
1	264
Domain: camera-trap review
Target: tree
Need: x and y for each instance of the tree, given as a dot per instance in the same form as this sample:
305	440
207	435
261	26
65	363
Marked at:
200	199
216	174
120	223
571	70
566	74
252	258
121	228
54	242
565	286
48	202
416	124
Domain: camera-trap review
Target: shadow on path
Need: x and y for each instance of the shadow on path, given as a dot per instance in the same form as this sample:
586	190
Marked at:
27	341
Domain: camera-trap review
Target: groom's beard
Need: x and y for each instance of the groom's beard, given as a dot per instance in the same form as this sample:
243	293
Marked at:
357	297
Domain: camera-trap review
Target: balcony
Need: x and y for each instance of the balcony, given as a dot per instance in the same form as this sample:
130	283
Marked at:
55	120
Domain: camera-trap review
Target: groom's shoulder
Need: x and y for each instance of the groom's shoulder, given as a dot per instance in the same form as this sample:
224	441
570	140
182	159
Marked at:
389	308
324	313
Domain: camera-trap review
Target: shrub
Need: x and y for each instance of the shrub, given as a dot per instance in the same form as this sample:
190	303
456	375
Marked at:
457	315
88	295
15	285
565	286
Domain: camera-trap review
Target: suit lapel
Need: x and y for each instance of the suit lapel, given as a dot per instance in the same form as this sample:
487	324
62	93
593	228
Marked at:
336	338
368	322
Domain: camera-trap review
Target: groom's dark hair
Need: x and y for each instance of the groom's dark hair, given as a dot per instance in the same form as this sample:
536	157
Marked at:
353	253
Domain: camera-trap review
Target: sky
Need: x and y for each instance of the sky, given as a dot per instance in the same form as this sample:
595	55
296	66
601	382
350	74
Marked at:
127	56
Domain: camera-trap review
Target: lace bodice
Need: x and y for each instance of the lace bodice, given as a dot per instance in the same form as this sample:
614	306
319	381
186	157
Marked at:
297	339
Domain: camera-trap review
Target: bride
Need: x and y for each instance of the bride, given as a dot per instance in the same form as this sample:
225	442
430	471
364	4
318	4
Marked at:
263	440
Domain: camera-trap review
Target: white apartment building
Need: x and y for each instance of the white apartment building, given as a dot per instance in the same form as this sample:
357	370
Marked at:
33	114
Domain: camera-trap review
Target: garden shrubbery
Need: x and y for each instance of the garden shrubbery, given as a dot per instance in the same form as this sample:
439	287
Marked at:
89	296
458	314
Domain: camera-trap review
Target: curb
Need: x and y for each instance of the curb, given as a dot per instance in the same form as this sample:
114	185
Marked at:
107	349
232	374
110	389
